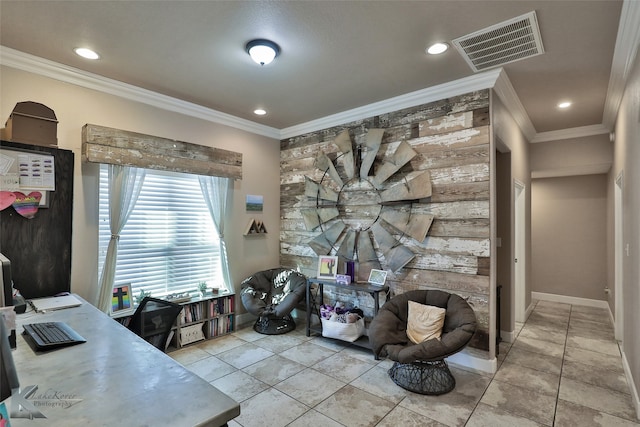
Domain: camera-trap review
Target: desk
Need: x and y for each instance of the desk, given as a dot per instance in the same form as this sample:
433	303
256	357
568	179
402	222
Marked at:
314	301
114	379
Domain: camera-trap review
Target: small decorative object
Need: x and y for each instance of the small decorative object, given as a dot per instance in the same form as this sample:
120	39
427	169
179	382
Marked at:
350	267
142	295
202	287
27	204
121	298
178	297
343	279
377	277
327	267
255	227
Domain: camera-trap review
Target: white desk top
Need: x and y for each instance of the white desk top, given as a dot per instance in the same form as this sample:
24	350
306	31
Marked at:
114	379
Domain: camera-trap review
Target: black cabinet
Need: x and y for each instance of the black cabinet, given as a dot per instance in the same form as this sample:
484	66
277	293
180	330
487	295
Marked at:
40	248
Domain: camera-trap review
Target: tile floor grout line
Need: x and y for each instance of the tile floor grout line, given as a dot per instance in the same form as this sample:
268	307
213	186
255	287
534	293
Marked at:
564	352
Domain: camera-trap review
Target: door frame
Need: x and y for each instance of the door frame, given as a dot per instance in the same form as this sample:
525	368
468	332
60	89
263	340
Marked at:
618	256
519	253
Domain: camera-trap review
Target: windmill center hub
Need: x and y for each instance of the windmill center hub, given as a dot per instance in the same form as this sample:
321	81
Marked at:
359	203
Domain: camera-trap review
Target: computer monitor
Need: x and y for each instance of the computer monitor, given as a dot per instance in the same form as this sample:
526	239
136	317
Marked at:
6	294
8	374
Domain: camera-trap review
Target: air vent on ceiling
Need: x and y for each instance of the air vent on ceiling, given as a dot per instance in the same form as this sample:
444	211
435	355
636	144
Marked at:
500	44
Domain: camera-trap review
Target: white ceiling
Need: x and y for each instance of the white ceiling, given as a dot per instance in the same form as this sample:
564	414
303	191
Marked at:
336	55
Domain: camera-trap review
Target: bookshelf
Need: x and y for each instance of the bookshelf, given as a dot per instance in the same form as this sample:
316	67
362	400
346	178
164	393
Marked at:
202	317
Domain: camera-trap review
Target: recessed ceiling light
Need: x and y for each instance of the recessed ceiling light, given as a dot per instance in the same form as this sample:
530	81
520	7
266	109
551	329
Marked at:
437	48
259	112
86	53
564	104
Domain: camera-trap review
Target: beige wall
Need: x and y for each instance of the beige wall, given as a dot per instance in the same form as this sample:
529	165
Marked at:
627	161
568	244
512	140
76	106
577	155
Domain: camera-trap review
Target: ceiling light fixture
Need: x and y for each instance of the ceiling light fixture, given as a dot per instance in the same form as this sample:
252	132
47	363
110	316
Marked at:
262	51
565	104
259	112
86	53
437	48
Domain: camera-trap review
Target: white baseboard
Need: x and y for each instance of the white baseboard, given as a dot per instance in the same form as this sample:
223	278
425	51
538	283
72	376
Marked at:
569	300
507	336
528	311
465	360
632	387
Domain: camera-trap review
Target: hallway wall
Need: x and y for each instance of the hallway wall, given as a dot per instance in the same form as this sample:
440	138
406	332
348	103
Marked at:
568	236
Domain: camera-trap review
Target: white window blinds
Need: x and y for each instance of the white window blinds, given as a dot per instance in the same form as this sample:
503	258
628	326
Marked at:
169	243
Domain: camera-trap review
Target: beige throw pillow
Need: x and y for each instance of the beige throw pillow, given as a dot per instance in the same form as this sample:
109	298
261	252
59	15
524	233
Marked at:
425	322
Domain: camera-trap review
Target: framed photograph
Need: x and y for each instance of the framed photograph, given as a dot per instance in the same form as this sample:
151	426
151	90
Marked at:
121	298
377	277
327	267
254	203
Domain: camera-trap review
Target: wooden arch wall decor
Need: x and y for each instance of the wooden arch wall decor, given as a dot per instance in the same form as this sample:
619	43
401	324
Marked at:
365	195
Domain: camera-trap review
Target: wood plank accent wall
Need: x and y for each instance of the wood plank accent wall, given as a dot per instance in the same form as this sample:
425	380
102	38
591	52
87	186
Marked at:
101	144
452	139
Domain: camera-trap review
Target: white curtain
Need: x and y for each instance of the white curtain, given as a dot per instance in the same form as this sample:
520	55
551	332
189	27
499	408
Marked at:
124	187
217	193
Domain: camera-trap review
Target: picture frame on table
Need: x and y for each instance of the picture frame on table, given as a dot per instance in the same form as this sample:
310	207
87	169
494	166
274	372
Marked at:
121	298
327	267
377	277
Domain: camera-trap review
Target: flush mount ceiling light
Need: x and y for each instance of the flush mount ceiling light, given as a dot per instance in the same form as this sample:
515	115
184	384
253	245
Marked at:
437	48
565	104
259	112
86	53
262	51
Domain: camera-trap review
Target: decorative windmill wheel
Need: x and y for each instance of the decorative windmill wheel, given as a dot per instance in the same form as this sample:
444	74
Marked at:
353	206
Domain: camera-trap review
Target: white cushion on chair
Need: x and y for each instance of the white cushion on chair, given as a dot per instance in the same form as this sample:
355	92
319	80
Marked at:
424	322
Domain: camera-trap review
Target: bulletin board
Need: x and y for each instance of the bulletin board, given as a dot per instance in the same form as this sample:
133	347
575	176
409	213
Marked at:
39	248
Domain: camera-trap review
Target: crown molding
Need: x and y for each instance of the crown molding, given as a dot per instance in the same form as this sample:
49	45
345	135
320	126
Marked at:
479	81
507	94
579	132
40	66
624	55
496	79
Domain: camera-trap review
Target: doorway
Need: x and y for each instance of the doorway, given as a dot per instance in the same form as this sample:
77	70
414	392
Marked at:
618	254
519	266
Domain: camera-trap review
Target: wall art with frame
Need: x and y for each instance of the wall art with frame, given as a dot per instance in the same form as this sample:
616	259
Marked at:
327	267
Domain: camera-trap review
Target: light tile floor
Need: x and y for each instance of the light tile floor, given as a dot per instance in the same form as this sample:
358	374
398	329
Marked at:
564	369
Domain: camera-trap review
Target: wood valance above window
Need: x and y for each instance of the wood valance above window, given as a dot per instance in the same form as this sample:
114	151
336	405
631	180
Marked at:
114	146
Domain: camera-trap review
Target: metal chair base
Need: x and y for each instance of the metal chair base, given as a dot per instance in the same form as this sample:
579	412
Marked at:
274	326
431	378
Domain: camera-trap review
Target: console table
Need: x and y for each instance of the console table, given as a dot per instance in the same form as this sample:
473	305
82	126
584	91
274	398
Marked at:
115	379
314	300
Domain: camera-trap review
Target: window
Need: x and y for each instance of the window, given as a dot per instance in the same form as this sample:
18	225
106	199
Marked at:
169	243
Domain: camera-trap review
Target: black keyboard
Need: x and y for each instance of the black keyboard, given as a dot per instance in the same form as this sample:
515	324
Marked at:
50	335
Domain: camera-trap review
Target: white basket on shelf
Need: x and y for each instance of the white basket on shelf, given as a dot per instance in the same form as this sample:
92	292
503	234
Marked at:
349	332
